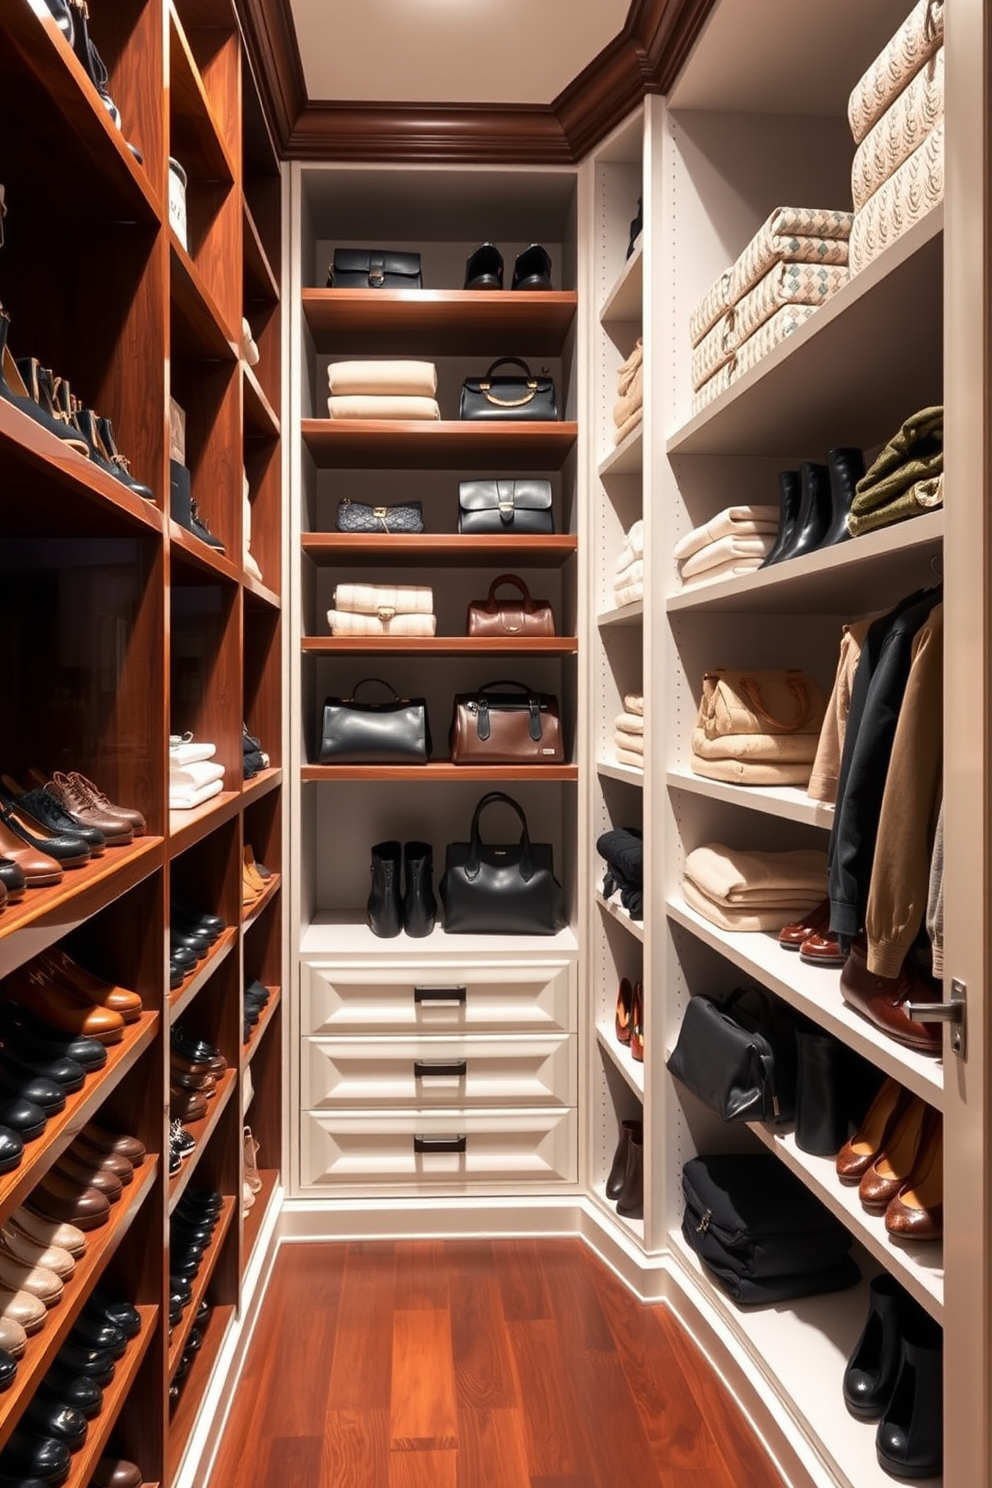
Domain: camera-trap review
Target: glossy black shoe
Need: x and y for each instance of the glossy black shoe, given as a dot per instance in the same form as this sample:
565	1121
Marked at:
37	1090
94	1364
29	1456
846	467
14	391
814	511
49	812
181	940
196	1050
181	955
790	499
198	923
98	1334
84	1395
384	908
23	1116
532	269
67	848
31	1038
119	464
57	1420
909	1441
114	1310
177	975
8	1369
870	1376
201	1201
11	1149
186	1233
200	529
175	1309
484	268
66	1073
258	991
202	1312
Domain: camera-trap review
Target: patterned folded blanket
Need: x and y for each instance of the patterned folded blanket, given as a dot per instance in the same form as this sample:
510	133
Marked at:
344	622
714	350
906	197
901	130
783	323
369	599
919	35
786	284
791	235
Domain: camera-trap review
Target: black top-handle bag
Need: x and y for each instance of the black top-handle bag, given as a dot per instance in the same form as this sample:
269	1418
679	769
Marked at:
496	889
521	396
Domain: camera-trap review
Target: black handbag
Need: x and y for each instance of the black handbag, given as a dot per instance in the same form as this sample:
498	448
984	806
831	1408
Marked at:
518	397
356	516
374	268
738	1056
396	732
500	889
509	506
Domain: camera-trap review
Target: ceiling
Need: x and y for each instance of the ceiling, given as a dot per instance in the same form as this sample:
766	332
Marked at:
450	51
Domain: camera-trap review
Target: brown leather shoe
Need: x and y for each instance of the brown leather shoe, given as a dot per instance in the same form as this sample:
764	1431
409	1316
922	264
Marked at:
107	1141
821	949
791	937
68	1011
893	1166
38	868
882	1000
66	972
187	1105
116	1472
871	1137
55	1198
917	1211
80	795
104	1162
85	1175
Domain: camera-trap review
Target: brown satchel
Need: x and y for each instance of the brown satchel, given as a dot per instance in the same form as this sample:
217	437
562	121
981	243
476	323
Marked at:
526	616
492	727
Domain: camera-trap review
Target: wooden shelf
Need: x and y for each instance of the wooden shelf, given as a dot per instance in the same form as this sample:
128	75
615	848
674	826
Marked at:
199	331
625	301
439	770
445	322
201	562
189	827
258	1033
632	1070
181	997
441	645
789	802
200	1283
461	549
114	1396
261	419
430	444
195	137
252	1222
261	284
259	596
628	614
183	1416
261	784
628	773
202	1131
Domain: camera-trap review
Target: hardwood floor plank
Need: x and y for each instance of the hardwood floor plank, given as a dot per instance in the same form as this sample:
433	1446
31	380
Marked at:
491	1451
356	1451
304	1339
616	1447
521	1280
575	1304
421	1470
363	1345
422	1399
483	1371
551	1418
421	1275
570	1482
290	1459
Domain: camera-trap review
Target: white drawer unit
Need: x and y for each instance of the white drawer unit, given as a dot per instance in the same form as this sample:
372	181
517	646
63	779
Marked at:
431	1151
428	1071
341	997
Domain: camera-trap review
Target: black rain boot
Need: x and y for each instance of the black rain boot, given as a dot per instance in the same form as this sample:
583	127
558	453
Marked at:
614	1183
790	493
873	1367
631	1201
384	908
814	510
419	904
846	467
910	1437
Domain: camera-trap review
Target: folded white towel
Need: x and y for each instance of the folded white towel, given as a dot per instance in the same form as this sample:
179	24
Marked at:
631	723
400	378
186	800
185	750
629	591
193	776
376	406
371	599
343	622
634	743
632	546
726	548
632	574
633	702
735	521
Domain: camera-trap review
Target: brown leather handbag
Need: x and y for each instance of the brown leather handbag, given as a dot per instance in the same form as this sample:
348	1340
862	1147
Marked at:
494	727
510	617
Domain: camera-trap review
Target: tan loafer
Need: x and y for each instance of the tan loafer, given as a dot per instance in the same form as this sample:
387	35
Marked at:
29	1253
12	1337
38	1280
22	1307
47	1231
68	973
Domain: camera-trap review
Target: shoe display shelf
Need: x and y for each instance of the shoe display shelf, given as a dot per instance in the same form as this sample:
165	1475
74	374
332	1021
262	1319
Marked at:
376	1110
125	626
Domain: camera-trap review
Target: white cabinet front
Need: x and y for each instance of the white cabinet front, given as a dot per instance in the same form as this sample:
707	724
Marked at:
443	1149
429	1071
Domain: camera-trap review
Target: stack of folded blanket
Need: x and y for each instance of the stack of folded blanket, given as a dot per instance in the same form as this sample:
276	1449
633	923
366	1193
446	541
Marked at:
194	774
628	731
622	849
628	583
383	609
735	541
382	390
791	266
896	114
906	479
753	890
629	408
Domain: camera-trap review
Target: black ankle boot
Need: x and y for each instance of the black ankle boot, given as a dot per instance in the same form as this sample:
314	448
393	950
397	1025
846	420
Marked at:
790	492
846	467
631	1201
618	1168
910	1439
814	510
384	904
871	1372
419	904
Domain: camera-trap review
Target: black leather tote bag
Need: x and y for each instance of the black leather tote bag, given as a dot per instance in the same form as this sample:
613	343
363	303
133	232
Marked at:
500	889
354	732
738	1056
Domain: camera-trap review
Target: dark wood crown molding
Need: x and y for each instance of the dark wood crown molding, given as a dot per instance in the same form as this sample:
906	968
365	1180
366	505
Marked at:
645	58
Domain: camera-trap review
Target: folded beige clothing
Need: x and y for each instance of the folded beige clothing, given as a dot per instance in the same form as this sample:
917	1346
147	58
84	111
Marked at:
634	743
733	521
629	425
738	878
779	749
633	545
714	350
404	378
371	599
726	549
633	702
344	622
791	235
631	397
901	129
729	570
631	723
628	757
750	772
628	371
381	406
741	919
899	60
630	590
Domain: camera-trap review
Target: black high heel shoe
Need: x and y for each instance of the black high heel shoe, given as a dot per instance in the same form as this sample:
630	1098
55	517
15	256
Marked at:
532	269
484	268
13	390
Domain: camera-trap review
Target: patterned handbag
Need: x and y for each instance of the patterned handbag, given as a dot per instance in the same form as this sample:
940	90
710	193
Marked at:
356	516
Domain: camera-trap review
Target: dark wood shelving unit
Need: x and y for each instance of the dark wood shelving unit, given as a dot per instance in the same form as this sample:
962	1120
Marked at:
440	645
462	550
439	322
439	444
436	770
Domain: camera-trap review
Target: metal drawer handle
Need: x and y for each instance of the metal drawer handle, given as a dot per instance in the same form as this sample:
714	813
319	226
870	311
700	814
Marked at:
440	1144
429	1069
440	996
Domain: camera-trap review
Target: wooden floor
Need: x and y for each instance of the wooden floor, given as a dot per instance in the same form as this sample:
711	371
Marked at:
474	1364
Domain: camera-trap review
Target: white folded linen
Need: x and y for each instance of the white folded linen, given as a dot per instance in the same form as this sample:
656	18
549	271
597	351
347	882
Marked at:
733	521
344	622
633	743
399	378
186	800
725	550
633	544
630	590
184	750
628	757
630	423
632	574
633	702
732	569
371	599
631	723
195	775
380	406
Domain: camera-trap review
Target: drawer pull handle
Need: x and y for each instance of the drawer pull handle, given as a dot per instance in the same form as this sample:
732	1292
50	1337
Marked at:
440	996
428	1069
440	1144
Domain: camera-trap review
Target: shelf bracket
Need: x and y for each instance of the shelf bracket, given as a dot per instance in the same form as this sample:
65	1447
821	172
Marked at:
952	1012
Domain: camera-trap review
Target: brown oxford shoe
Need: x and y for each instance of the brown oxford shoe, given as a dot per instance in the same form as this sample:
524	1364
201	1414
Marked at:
891	1169
883	1000
791	937
917	1211
55	1198
66	972
872	1136
70	1012
107	1141
116	1472
820	948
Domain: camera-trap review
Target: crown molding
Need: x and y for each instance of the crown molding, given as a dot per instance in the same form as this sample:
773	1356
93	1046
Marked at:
645	58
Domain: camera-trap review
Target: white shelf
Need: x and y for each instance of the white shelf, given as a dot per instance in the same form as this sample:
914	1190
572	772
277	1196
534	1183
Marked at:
613	771
789	802
628	614
854	577
815	991
625	300
616	909
332	933
870	362
627	458
619	1055
802	1348
918	1266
